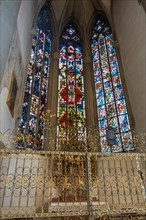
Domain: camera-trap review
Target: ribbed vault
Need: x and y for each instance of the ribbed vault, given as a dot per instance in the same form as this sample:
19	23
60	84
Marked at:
81	10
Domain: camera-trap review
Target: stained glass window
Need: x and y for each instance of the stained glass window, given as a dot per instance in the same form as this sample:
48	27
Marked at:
35	95
71	104
111	106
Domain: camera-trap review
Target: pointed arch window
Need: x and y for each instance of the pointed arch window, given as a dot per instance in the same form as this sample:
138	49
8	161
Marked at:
71	105
35	95
111	106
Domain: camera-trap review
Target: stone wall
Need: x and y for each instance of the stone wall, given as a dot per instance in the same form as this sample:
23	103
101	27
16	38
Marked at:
130	26
13	65
16	37
9	12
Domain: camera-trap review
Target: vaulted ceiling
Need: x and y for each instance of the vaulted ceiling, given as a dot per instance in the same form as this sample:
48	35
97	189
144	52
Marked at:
81	10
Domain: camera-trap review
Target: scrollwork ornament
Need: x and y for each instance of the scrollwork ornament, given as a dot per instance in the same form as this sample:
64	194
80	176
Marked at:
113	182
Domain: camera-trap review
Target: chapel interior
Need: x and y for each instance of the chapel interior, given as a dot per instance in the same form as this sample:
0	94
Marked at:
73	109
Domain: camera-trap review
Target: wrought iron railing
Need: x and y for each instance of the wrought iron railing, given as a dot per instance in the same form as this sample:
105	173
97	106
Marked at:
53	184
74	142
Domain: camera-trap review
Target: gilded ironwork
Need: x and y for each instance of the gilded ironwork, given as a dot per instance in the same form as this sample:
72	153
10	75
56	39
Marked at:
58	184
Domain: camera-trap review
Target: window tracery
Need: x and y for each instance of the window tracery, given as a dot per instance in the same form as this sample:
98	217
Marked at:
71	104
71	119
111	105
35	94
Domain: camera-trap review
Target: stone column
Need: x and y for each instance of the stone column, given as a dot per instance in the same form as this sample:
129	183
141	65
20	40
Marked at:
52	101
90	104
54	82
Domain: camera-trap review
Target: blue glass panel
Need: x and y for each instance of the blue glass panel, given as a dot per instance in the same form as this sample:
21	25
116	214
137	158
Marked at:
104	145
36	88
127	141
109	96
100	97
101	111
102	126
32	124
113	122
124	123
116	80
107	84
35	94
119	94
117	147
111	106
121	107
111	110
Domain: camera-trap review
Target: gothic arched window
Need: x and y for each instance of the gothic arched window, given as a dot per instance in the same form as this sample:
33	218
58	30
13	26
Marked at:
71	105
111	106
35	95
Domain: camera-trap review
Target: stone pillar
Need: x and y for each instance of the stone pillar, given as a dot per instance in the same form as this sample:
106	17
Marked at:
52	101
90	105
54	82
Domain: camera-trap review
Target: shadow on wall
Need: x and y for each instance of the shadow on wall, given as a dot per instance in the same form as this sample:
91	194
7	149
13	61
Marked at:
6	121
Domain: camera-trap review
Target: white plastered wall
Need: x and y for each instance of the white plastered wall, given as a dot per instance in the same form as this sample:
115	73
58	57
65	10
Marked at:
8	17
16	58
130	27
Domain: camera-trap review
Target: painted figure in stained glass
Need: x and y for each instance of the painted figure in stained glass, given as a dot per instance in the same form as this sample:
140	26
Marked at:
71	106
35	96
111	106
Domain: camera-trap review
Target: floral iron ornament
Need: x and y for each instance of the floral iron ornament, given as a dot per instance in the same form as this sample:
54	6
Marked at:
70	142
32	140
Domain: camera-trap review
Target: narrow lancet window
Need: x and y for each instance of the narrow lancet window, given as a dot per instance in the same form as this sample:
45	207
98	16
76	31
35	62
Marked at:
31	126
111	106
71	105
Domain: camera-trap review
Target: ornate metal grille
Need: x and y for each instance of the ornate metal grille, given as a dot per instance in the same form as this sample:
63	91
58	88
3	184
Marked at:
55	184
